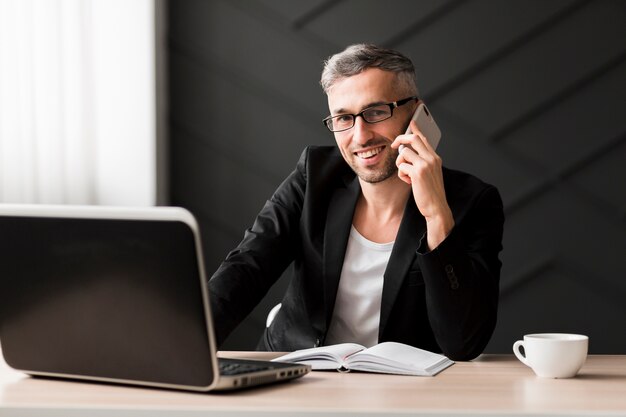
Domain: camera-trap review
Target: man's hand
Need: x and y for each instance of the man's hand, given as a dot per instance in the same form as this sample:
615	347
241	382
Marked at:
420	166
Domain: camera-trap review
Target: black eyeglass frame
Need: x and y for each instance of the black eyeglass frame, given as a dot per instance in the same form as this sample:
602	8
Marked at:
392	106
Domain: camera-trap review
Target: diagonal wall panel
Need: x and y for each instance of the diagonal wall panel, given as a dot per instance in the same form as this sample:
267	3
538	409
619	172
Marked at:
544	79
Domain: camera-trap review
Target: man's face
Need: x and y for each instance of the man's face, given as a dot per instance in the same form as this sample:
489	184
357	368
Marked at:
365	147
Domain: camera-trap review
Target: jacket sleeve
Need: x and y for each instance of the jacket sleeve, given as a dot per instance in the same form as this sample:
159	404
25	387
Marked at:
462	279
267	248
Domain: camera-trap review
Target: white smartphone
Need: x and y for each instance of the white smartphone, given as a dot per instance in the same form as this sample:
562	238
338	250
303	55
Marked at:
426	125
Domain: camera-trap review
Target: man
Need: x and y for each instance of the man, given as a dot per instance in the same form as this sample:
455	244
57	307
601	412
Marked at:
386	244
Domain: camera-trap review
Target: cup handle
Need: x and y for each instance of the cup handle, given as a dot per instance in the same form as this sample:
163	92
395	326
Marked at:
518	353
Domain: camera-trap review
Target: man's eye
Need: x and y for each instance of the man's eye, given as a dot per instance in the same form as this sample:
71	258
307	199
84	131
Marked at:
376	113
345	118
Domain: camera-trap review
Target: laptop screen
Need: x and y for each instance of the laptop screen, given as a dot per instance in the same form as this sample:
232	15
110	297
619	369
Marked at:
117	298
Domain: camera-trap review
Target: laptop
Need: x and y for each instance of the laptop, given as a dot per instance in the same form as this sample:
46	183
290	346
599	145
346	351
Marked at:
113	294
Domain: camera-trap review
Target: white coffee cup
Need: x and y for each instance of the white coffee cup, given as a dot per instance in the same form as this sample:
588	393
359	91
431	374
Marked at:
553	355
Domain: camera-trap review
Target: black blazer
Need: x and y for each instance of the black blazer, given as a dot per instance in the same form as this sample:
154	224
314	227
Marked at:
444	300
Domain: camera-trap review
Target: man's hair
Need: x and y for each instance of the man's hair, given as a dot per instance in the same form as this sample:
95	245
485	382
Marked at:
357	58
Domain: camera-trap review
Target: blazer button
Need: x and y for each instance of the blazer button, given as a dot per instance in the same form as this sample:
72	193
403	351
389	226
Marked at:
454	282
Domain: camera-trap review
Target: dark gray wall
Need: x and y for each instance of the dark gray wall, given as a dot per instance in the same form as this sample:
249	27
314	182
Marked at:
529	95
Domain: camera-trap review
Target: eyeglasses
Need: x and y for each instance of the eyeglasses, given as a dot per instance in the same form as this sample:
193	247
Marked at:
372	114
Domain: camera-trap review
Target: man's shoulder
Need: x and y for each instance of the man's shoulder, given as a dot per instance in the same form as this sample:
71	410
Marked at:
324	163
456	176
323	153
464	186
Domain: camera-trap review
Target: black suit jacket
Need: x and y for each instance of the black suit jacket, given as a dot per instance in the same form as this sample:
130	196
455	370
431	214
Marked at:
444	300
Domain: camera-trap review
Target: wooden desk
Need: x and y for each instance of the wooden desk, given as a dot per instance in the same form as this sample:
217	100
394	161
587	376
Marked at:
493	385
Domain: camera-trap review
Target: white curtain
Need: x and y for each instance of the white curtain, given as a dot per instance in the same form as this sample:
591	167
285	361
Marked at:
77	102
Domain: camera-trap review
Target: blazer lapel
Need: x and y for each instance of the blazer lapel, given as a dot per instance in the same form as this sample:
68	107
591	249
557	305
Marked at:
336	233
412	228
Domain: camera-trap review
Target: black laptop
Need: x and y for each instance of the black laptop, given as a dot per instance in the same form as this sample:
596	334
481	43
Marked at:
114	294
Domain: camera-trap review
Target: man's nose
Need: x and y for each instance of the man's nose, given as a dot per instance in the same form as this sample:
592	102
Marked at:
362	131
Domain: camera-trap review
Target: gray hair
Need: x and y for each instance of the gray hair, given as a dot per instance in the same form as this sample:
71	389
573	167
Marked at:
357	58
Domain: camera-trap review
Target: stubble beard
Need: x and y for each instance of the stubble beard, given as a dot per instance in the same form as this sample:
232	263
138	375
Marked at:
386	169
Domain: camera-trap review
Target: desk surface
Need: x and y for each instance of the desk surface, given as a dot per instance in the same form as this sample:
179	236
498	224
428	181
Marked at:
492	384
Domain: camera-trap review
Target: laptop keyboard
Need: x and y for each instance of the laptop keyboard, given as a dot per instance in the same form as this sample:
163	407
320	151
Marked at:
229	368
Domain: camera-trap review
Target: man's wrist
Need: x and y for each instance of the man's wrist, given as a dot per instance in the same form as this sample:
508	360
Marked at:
438	228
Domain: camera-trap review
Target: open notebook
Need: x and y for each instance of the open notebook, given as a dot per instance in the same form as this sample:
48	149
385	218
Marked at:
113	295
386	358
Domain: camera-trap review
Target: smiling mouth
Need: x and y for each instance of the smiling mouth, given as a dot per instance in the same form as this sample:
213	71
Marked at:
369	153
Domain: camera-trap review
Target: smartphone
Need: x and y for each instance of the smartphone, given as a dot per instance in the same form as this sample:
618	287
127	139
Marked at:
427	125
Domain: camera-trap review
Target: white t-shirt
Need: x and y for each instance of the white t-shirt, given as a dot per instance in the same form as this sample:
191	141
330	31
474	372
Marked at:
356	316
